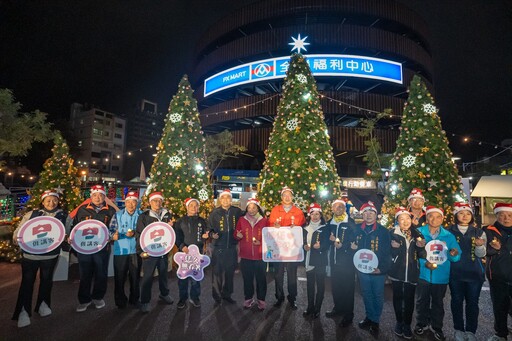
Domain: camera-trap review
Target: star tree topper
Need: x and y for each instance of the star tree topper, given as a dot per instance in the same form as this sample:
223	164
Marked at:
299	43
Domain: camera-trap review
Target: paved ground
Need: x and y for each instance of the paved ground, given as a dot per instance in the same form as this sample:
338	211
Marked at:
227	322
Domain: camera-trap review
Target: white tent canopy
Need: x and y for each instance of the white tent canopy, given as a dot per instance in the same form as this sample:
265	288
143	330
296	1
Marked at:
495	186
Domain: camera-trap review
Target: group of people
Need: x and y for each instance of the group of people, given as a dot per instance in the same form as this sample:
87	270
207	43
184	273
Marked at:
420	256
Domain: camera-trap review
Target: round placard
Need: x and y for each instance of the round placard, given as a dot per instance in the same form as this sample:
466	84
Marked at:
157	239
437	251
366	261
41	235
89	236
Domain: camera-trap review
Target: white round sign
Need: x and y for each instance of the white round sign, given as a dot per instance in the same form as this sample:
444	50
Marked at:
41	235
89	236
157	239
366	261
437	251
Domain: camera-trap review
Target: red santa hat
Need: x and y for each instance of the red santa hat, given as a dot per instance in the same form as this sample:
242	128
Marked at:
253	201
502	206
189	200
156	195
462	206
98	189
49	192
368	206
338	201
416	193
286	188
132	195
226	192
432	209
314	207
402	210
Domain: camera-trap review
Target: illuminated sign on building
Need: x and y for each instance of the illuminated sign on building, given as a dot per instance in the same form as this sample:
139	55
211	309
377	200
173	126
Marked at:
320	64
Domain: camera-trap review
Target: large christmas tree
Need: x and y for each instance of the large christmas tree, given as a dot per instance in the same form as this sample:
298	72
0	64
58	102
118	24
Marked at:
179	169
422	158
299	154
58	173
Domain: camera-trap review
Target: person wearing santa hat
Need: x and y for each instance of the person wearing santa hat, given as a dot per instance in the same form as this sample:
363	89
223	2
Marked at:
222	223
343	273
468	274
94	265
248	232
190	229
155	213
434	276
44	263
127	263
499	267
286	214
316	245
404	272
372	236
416	202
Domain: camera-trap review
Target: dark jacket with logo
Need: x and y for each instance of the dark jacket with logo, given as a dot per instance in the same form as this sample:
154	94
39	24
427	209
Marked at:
318	257
224	222
499	262
404	259
342	257
469	268
379	242
189	230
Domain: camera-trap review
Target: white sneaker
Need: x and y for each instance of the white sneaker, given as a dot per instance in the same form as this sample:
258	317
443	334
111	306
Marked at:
98	303
82	307
470	336
44	310
497	338
23	319
459	335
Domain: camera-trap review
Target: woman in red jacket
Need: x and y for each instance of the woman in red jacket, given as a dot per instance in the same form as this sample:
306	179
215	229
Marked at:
248	233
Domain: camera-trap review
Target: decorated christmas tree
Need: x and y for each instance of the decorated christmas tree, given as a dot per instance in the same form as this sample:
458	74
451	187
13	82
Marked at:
299	154
179	169
58	173
422	158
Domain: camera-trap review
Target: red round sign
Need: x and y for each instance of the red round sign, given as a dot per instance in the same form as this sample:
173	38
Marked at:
41	235
157	239
89	236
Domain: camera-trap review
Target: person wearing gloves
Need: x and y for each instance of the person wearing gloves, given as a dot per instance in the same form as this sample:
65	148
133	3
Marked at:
286	214
190	229
375	237
150	263
316	245
222	223
127	263
499	267
44	263
434	277
468	274
404	271
249	234
343	273
416	201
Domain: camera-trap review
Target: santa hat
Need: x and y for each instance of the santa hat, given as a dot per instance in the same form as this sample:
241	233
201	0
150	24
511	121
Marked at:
344	194
156	195
98	189
314	207
189	200
132	195
416	193
253	201
502	206
49	193
462	206
368	206
286	188
338	201
401	210
432	209
226	192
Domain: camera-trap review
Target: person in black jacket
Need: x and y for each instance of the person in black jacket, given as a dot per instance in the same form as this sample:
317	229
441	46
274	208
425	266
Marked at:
190	229
316	244
222	223
149	263
96	264
499	267
343	273
404	271
372	236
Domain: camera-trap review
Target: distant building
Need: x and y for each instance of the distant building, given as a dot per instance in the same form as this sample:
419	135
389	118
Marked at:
101	138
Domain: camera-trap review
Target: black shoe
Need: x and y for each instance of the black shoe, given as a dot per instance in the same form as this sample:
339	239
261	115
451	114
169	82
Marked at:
419	329
121	306
332	313
195	302
438	334
278	303
181	304
229	300
292	305
399	329
316	314
374	329
365	324
345	323
218	302
307	313
407	332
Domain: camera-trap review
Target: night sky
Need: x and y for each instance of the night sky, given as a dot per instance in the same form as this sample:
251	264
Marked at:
113	53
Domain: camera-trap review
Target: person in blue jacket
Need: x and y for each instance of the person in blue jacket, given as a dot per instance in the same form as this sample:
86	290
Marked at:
434	273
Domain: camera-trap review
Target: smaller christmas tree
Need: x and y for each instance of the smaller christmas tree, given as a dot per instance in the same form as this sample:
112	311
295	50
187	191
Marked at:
58	173
179	169
422	158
